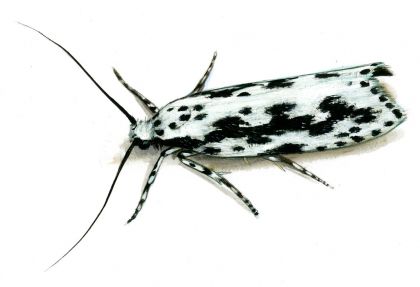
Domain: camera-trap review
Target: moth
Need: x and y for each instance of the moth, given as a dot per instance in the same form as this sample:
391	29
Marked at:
266	119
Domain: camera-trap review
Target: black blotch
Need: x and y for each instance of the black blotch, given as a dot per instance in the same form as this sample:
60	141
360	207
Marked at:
339	110
285	149
156	123
342	135
159	132
350	83
374	90
244	94
198	108
246	111
238	148
326	75
376	132
191	164
321	148
199	117
364	84
182	108
340	143
211	150
184	117
383	98
172	125
398	114
282	122
228	92
153	173
381	71
389	105
258	139
375	64
170	109
365	71
357	138
354	129
388	123
280	83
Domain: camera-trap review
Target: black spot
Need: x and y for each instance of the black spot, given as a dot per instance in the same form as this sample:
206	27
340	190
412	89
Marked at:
156	123
206	171
228	184
172	125
257	139
182	108
244	94
383	98
381	71
375	64
326	75
184	117
191	164
183	142
199	117
281	83
229	123
397	113
280	109
321	148
374	90
389	105
246	111
228	92
357	138
238	148
342	135
388	123
159	132
365	71
285	149
170	109
364	84
340	143
211	150
376	132
153	173
354	129
198	108
350	83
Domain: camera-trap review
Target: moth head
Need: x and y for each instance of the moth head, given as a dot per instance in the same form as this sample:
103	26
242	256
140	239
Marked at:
141	133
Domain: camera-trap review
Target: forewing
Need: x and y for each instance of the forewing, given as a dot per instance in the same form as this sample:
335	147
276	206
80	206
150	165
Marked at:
305	113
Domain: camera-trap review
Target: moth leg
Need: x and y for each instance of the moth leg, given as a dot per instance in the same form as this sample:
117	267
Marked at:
202	82
148	105
297	167
151	179
216	177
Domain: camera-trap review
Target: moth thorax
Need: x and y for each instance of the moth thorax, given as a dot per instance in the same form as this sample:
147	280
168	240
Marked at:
141	130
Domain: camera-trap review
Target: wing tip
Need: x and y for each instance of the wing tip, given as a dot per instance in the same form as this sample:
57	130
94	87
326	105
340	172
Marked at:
381	70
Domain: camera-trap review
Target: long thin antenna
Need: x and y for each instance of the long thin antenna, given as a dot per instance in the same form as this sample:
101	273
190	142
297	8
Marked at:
130	117
127	154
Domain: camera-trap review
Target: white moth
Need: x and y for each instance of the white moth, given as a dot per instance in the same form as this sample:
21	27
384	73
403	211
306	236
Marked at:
267	119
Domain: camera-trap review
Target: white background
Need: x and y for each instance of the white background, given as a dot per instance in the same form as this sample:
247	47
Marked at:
61	142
